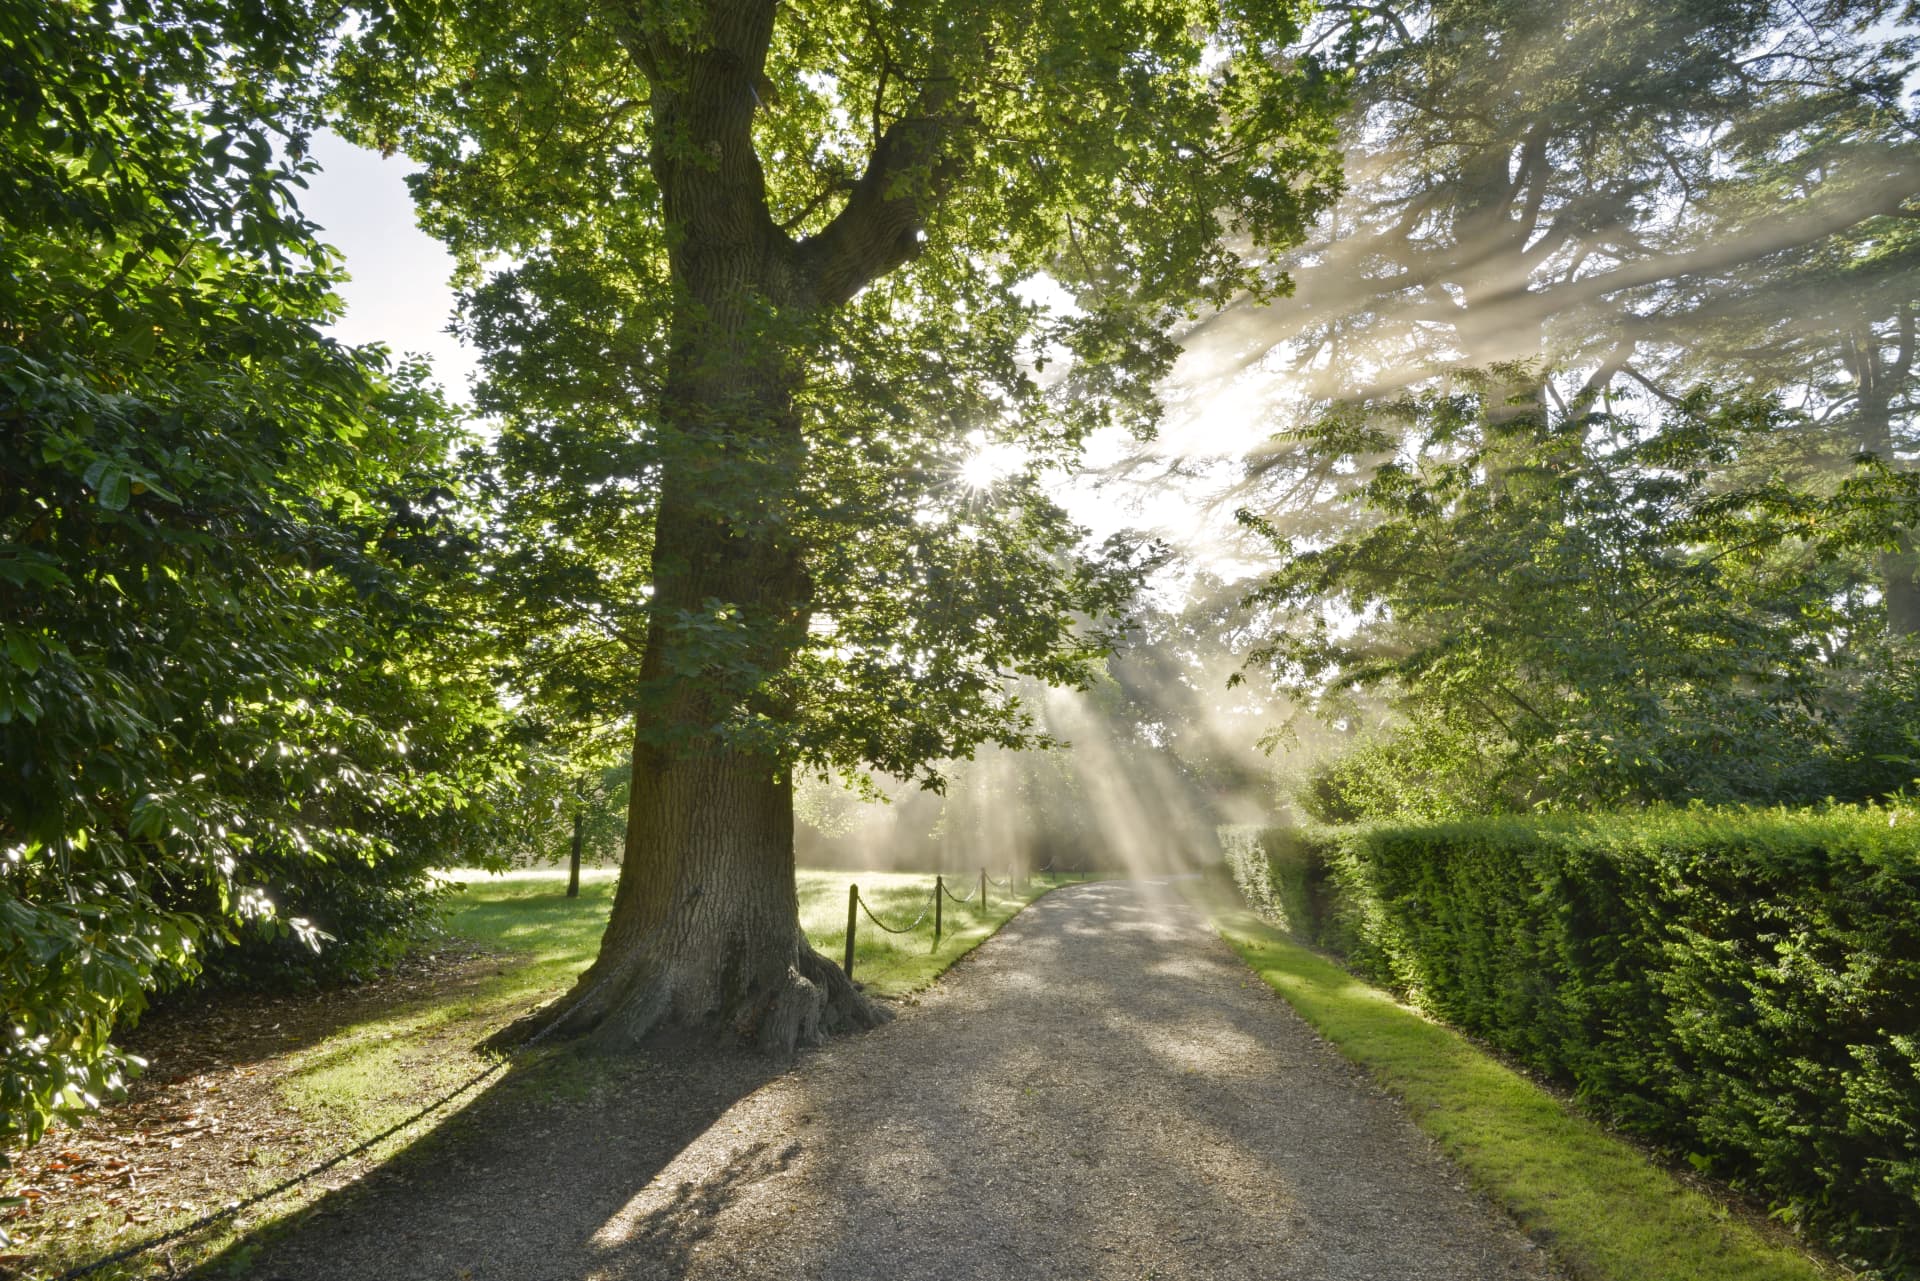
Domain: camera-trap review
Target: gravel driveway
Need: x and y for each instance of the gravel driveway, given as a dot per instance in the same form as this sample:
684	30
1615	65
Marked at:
1102	1091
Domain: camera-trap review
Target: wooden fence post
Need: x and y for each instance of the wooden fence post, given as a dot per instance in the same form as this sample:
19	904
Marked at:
983	891
573	864
939	892
853	919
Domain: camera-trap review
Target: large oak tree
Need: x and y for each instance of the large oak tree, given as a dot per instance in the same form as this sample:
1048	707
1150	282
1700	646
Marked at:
752	281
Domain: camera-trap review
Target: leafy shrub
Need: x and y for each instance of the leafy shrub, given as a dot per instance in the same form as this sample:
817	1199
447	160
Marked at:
1878	752
1740	986
1424	768
365	916
225	542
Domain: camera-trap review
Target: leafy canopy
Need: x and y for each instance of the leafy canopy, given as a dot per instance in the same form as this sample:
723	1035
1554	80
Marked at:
928	173
1576	611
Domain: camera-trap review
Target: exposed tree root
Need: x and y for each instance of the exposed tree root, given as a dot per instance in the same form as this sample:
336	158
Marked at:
816	1001
617	1008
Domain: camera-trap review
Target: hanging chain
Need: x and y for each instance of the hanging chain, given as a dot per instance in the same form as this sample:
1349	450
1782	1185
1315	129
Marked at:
888	928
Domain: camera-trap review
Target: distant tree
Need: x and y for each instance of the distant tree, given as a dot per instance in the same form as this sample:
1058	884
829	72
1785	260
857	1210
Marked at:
230	694
754	275
571	780
1571	611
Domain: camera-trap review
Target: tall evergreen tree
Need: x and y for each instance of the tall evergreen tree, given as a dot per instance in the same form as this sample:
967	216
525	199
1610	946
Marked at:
1620	199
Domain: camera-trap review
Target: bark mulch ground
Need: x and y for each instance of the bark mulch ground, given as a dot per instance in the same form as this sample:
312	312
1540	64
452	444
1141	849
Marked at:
206	1123
1103	1091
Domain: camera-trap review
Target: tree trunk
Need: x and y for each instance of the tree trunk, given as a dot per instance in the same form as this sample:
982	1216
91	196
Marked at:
705	932
1878	380
1498	337
573	859
1901	570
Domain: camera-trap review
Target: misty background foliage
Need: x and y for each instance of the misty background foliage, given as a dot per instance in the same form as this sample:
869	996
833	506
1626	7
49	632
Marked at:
1595	404
1147	763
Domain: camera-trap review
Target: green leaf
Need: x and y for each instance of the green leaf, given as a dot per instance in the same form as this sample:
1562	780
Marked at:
114	490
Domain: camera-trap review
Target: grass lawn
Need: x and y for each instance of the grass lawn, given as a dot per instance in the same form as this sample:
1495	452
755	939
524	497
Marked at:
528	912
1596	1201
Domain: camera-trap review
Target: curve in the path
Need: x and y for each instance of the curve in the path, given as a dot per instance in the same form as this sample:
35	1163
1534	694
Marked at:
1103	1091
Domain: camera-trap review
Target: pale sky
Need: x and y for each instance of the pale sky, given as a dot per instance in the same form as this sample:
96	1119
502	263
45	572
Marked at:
399	293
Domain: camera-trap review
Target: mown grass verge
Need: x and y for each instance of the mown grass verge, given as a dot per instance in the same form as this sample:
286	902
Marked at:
528	912
1598	1203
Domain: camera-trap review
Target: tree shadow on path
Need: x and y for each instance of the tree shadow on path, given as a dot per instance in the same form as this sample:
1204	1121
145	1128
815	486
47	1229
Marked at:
519	1181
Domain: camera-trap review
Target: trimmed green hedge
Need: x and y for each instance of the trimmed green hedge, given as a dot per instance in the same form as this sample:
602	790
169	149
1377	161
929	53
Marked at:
1282	873
1742	987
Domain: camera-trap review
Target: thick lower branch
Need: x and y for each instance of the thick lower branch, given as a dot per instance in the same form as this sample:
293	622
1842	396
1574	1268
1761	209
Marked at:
879	227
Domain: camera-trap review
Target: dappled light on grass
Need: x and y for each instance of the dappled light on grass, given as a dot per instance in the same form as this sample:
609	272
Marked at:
244	1091
1328	981
896	964
527	910
371	1071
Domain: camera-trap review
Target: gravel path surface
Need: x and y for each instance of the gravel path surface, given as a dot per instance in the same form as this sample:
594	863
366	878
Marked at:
1102	1091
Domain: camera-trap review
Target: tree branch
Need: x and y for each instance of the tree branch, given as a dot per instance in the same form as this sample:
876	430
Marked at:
1786	232
879	227
1612	363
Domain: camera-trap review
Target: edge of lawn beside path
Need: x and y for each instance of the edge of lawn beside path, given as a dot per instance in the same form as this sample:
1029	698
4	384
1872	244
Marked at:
1599	1204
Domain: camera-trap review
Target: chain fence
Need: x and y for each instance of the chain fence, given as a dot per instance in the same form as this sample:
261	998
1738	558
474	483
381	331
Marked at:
904	929
936	898
957	898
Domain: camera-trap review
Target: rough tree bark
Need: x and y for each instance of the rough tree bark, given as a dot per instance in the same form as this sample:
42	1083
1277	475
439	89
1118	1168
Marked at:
1878	380
705	932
